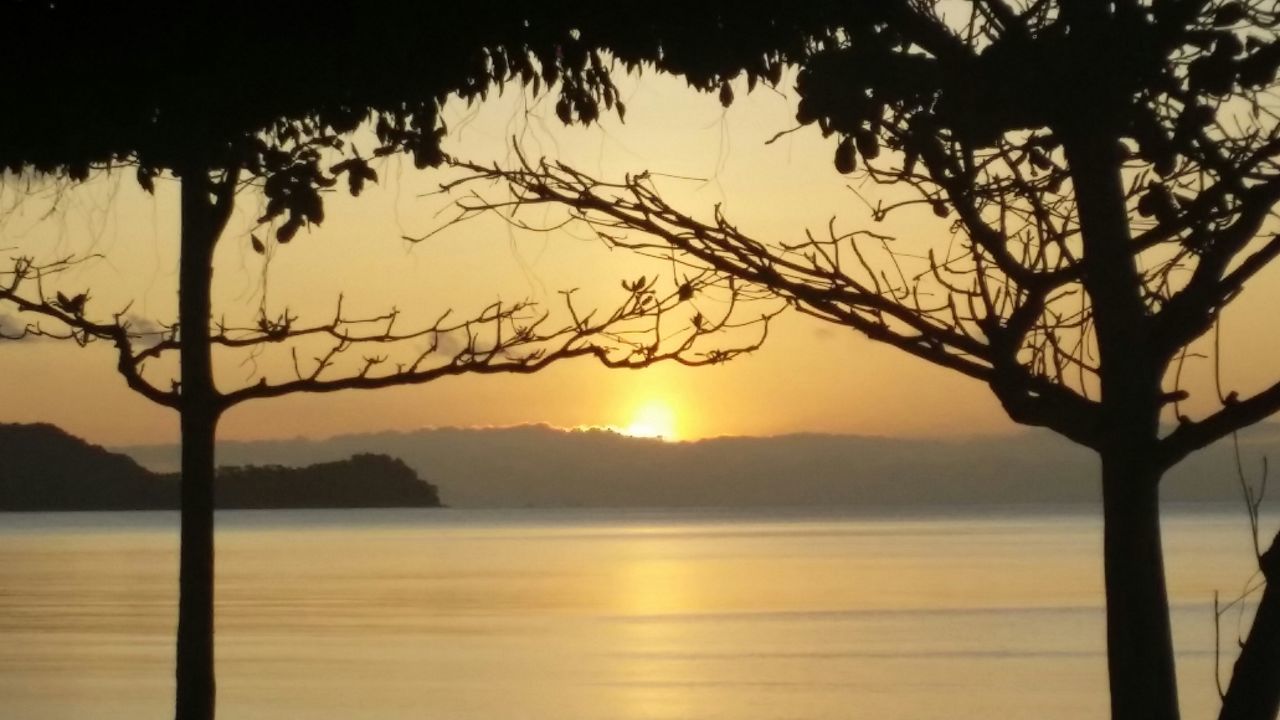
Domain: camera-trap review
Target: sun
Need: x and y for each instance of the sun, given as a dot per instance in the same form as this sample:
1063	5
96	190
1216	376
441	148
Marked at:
653	419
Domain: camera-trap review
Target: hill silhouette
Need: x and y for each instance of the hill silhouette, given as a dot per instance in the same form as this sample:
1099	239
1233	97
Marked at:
541	466
365	480
43	468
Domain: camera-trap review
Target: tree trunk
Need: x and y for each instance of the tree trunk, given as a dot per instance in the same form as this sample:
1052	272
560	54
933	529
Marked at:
195	683
1254	692
199	409
1139	639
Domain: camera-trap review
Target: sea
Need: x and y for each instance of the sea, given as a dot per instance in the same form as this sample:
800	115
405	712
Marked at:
588	614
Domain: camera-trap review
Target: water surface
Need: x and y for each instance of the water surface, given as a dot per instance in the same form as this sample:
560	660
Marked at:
595	615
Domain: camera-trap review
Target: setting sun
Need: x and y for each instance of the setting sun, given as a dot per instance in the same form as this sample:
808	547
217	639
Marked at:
653	419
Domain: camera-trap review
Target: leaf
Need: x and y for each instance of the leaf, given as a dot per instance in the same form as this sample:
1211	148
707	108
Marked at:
846	162
427	155
1259	69
1158	201
726	94
74	305
1228	46
588	111
1197	116
256	242
145	179
1146	205
1229	14
290	228
774	73
805	111
1214	74
868	144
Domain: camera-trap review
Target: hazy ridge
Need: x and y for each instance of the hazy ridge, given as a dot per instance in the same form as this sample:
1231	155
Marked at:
540	466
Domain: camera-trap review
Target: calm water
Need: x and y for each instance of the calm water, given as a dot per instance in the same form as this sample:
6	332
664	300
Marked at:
594	615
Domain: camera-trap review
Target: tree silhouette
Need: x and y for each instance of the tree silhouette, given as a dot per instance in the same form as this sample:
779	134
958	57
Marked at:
1107	170
230	96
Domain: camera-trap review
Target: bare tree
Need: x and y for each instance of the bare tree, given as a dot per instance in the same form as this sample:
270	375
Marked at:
1107	170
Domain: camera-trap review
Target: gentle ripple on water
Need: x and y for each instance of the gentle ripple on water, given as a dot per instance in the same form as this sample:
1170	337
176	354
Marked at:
594	615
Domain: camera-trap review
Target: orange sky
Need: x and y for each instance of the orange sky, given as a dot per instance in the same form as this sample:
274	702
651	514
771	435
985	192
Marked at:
808	377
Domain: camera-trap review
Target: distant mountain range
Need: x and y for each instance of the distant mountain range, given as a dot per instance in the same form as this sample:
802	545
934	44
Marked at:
44	468
541	466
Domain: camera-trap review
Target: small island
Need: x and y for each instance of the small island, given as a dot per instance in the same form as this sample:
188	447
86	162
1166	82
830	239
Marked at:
45	469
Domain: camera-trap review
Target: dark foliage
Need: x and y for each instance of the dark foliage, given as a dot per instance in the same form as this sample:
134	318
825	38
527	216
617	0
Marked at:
273	89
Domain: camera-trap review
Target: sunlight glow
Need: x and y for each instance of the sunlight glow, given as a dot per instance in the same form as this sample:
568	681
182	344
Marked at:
653	419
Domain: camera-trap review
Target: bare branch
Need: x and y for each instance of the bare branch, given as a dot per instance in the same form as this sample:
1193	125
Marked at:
506	338
1236	414
980	340
23	288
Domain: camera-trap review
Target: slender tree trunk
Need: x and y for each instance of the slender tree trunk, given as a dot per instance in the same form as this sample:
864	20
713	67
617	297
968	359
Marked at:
1254	692
199	409
1139	638
195	682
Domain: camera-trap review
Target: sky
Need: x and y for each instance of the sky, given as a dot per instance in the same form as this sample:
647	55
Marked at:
808	377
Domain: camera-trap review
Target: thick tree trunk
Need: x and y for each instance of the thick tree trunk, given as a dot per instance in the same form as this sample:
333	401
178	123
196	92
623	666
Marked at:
199	409
1254	692
1139	639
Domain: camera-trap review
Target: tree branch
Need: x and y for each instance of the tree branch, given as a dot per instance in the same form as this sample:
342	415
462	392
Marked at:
1235	415
69	312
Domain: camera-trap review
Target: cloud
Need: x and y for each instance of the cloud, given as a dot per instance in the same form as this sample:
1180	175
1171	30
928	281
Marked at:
151	332
449	344
12	327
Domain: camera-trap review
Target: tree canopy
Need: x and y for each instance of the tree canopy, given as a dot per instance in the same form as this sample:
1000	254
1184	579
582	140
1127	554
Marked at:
265	87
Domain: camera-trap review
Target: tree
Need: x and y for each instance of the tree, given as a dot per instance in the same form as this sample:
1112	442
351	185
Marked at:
231	96
1107	170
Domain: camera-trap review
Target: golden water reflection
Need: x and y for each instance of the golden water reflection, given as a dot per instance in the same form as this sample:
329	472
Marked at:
591	615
